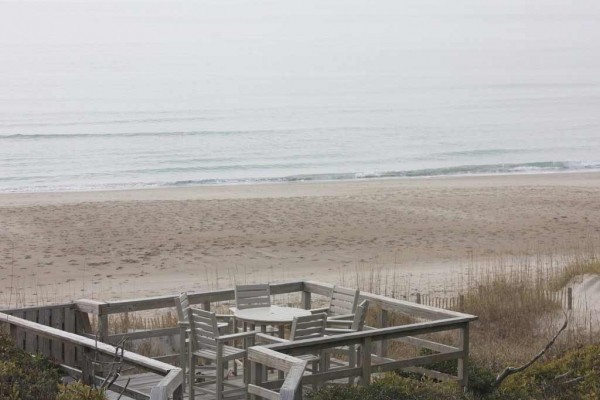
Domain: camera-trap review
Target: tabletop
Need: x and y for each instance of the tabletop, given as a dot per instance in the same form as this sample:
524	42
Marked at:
270	315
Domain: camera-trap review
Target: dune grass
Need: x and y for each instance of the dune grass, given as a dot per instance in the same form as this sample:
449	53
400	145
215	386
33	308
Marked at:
577	268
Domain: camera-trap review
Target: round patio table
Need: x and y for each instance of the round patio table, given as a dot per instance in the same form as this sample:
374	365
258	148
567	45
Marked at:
273	315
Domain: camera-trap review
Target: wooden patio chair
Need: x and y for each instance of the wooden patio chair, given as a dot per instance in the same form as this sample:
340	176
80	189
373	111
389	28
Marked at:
251	296
206	344
356	325
342	304
305	327
182	305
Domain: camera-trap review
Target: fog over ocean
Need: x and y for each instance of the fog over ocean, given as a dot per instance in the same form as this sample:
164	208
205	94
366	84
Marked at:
127	94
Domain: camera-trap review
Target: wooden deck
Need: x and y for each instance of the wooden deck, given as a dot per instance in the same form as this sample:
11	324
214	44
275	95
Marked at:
144	383
64	333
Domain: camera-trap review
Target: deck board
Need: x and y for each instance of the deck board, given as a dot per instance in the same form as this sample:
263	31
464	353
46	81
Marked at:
144	382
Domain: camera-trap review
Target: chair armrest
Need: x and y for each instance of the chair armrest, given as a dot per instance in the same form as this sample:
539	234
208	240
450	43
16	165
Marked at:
184	324
235	336
338	317
318	310
339	322
334	331
224	316
272	339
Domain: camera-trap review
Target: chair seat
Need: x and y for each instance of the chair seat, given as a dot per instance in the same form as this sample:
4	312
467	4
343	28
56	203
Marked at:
229	353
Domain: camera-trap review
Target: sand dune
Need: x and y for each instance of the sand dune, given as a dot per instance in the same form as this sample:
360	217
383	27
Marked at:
586	301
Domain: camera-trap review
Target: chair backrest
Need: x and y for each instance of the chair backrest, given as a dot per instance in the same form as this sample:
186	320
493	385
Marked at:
182	304
309	326
252	296
343	301
203	329
358	323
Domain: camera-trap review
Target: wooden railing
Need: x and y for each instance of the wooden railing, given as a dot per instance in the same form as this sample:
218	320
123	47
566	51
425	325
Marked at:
88	349
64	317
290	387
372	363
102	309
374	343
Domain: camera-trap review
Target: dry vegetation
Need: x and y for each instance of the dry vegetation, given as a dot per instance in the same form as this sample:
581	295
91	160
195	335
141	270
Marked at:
519	302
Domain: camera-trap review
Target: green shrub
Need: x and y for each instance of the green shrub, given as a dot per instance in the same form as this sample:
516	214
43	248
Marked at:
391	387
33	377
24	376
480	378
79	391
575	375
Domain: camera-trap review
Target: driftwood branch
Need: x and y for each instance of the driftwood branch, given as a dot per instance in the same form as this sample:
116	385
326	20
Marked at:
574	380
513	370
115	368
124	388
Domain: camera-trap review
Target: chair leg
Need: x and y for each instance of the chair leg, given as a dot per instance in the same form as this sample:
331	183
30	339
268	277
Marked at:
246	374
323	361
192	369
219	373
351	361
182	354
314	370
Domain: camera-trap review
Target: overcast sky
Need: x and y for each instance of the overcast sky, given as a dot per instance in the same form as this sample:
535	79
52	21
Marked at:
226	49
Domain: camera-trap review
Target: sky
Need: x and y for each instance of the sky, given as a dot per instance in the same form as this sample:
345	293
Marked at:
231	52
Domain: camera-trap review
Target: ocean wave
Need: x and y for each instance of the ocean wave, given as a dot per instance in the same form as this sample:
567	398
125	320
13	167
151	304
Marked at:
25	136
10	184
154	120
230	132
479	152
488	169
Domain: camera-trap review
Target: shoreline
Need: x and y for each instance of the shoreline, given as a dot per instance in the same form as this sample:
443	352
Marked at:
423	231
296	188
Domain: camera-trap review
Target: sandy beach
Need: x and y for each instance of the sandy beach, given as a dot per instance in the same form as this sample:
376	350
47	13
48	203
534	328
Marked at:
105	245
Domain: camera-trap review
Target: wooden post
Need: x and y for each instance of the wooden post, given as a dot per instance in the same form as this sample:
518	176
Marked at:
31	339
206	305
306	300
57	321
87	365
418	298
69	327
366	361
178	393
14	334
569	298
382	323
256	375
18	334
82	326
103	328
463	339
44	343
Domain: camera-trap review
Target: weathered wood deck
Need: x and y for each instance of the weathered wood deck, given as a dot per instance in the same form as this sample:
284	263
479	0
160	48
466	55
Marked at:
64	333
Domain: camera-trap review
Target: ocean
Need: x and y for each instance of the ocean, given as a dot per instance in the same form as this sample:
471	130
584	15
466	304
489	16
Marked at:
134	94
